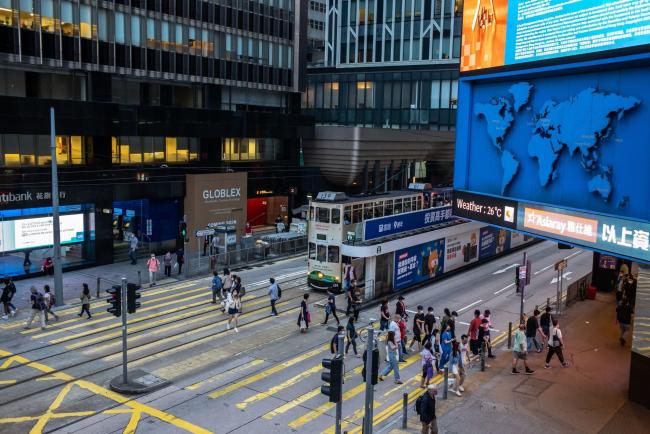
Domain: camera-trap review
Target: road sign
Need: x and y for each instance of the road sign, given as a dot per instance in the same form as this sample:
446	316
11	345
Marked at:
522	273
560	265
204	232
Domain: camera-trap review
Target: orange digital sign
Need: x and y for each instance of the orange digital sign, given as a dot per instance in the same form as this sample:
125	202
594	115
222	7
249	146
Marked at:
484	34
565	225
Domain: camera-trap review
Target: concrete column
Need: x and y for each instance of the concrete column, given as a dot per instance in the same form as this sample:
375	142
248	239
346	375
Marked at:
369	274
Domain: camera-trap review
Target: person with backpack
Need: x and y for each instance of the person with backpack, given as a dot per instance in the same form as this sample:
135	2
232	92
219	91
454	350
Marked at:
624	318
50	300
153	265
8	293
38	308
351	331
85	301
330	309
274	294
555	345
234	308
217	287
425	407
167	262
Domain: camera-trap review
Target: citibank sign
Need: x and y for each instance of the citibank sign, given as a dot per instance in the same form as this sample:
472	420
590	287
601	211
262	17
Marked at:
222	193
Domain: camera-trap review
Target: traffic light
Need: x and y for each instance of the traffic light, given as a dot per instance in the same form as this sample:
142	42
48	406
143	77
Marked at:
115	300
375	366
334	378
182	230
131	296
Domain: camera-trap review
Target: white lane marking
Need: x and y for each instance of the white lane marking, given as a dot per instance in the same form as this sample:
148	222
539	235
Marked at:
503	289
549	266
411	311
462	322
503	270
469	305
574	254
564	277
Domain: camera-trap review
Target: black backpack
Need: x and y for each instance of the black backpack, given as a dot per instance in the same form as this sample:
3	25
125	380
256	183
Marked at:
418	404
279	291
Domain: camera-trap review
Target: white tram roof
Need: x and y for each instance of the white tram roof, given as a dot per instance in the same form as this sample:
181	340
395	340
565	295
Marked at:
335	197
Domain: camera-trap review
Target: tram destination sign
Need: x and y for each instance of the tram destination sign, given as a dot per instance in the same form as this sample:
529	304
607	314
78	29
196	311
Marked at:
394	224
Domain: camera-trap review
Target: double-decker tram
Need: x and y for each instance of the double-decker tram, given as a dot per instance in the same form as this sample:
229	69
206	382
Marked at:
394	240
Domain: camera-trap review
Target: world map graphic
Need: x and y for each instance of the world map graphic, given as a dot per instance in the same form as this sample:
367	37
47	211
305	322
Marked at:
578	125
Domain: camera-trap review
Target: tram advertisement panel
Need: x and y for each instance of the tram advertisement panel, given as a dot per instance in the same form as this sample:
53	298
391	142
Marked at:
419	263
493	241
461	249
394	224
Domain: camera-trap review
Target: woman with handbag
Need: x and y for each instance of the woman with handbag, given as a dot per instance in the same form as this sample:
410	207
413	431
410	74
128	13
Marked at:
428	364
555	345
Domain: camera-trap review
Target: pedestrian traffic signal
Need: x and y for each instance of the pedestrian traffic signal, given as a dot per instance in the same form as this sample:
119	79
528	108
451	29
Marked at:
131	296
333	378
375	366
115	300
182	230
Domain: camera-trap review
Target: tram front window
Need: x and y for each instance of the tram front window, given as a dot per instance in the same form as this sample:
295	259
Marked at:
336	216
333	254
323	215
321	254
312	250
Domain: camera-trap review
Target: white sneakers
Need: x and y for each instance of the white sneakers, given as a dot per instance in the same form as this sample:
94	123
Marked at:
228	326
236	331
5	317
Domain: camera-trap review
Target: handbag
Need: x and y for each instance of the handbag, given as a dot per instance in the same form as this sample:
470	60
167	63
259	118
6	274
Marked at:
308	317
429	369
328	309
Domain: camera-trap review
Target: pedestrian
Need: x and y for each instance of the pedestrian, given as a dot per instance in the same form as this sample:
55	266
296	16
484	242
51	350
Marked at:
532	329
153	265
227	280
133	249
402	331
180	260
274	294
435	344
465	352
334	343
8	293
418	328
48	266
384	318
452	324
555	345
50	301
620	280
474	325
445	345
624	318
234	309
353	302
428	364
38	308
214	246
483	338
167	262
217	287
392	349
330	308
487	326
429	323
304	317
520	350
400	307
427	410
349	275
456	368
85	300
351	332
394	327
545	321
445	319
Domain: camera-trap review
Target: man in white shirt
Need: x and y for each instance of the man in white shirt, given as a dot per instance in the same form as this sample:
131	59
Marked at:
393	327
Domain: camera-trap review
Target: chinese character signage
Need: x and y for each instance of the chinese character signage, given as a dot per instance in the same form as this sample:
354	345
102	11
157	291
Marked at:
383	226
494	241
461	249
418	263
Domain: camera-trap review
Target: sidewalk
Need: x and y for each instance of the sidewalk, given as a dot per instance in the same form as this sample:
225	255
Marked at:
588	397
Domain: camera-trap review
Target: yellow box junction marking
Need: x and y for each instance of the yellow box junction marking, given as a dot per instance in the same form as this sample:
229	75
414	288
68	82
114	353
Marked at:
221	376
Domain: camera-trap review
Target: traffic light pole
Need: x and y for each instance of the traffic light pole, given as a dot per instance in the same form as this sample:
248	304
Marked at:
339	405
367	419
125	375
522	284
56	228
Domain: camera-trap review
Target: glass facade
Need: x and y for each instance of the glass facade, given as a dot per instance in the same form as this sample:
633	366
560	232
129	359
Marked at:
249	149
137	149
405	100
34	150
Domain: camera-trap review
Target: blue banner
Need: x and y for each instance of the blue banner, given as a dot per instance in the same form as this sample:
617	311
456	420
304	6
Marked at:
418	263
493	241
383	226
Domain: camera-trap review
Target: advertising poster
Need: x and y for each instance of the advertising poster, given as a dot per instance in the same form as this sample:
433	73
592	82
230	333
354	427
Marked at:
384	226
419	263
461	249
493	241
37	232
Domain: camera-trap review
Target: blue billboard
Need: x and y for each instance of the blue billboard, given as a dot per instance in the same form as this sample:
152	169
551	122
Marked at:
394	224
418	263
493	241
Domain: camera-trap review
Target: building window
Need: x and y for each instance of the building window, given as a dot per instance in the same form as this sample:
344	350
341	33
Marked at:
248	149
67	25
119	27
152	150
85	25
31	150
135	30
47	16
26	14
6	14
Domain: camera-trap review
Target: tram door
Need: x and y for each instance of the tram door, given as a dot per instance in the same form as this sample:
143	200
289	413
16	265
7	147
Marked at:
384	274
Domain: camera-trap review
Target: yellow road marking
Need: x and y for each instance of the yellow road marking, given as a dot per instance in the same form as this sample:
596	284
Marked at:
318	411
133	422
7	381
292	404
270	371
215	378
8	362
275	389
358	414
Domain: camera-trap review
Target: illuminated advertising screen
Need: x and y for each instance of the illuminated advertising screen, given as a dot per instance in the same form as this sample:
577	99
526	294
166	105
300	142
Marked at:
510	32
32	233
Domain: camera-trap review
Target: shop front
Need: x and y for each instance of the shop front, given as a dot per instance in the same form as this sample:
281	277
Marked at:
265	209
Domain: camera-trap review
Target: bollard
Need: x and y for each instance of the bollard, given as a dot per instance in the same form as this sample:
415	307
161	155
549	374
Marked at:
140	278
405	404
446	383
483	356
548	302
98	279
510	335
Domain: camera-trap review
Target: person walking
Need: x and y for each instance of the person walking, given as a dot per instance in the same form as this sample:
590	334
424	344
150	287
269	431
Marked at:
429	323
227	280
85	301
234	308
545	321
349	276
153	265
452	324
520	350
428	364
472	331
400	307
418	328
353	302
392	349
555	345
8	293
624	318
304	317
484	338
445	345
50	301
384	318
532	329
402	334
38	308
180	260
351	332
465	353
445	319
427	410
133	249
334	342
167	262
394	327
330	308
487	315
274	294
217	287
456	368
